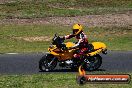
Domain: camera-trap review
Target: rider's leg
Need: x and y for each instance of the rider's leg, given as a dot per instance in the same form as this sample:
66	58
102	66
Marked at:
76	55
80	53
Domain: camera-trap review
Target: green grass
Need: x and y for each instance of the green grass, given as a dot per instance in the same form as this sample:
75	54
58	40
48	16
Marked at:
116	38
51	80
47	8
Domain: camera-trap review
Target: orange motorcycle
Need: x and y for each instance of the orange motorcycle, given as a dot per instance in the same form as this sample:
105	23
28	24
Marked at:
59	53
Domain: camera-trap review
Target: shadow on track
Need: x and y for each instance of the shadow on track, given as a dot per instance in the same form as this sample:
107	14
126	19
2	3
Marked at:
70	70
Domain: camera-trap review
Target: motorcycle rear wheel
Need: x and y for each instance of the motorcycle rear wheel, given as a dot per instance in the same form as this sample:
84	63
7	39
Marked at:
47	63
93	63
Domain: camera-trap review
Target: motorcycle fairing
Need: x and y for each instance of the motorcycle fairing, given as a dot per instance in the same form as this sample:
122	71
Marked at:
98	47
63	55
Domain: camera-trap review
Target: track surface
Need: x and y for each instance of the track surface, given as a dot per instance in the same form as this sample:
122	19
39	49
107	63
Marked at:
114	61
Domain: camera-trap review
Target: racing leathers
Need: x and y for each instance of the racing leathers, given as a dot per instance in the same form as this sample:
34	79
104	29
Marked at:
81	44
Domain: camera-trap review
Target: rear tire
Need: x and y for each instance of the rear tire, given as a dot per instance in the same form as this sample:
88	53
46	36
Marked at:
94	63
45	61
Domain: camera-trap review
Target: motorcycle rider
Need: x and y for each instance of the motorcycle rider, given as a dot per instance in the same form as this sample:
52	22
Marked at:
82	40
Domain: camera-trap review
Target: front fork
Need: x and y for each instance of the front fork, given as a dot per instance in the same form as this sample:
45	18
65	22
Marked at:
51	61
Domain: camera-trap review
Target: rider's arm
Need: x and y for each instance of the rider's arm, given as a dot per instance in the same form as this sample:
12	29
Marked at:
76	45
82	38
68	36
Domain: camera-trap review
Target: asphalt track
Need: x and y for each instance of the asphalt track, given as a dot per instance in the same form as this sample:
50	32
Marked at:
114	61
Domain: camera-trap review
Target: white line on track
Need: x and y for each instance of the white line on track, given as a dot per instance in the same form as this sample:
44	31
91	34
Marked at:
11	53
20	53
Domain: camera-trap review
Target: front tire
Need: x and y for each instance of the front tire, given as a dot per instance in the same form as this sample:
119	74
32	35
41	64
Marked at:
47	62
93	63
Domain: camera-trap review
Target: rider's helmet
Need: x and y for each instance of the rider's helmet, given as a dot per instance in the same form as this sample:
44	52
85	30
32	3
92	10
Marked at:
77	28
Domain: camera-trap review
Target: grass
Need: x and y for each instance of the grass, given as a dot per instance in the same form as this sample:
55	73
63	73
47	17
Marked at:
116	38
48	8
51	80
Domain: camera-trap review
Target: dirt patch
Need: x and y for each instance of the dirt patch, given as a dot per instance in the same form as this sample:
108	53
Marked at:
107	20
34	39
6	1
96	20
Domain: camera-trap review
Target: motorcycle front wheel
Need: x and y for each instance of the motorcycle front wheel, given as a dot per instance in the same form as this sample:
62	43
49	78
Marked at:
47	62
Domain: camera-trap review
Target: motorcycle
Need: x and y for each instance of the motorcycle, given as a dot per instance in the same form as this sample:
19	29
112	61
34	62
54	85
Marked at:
60	53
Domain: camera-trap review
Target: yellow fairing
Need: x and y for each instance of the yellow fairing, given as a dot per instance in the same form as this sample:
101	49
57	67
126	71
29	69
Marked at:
69	44
98	47
62	55
68	54
50	49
